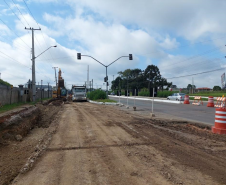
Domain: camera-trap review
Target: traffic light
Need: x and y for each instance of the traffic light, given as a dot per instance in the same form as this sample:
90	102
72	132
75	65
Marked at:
79	56
105	79
107	84
130	57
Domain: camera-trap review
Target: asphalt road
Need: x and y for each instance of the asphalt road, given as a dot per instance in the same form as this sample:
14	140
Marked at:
200	113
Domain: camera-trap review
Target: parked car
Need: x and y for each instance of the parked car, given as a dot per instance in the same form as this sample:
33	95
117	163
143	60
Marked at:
176	96
112	93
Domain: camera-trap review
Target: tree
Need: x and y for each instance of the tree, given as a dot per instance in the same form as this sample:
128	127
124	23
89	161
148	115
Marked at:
138	79
216	88
116	83
191	87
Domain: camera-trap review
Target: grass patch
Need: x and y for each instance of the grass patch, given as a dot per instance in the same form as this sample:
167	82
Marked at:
106	100
12	106
165	94
96	95
8	107
211	93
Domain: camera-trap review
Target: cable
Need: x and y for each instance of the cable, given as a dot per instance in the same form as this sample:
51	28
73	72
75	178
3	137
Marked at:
58	58
209	51
38	26
20	12
9	74
22	49
14	59
14	13
14	33
25	21
197	73
30	13
187	45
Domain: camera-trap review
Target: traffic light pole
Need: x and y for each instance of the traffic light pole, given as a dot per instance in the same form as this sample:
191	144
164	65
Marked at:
106	66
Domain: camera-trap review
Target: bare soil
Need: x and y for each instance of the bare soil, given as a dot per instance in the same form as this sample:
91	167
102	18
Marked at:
98	144
17	154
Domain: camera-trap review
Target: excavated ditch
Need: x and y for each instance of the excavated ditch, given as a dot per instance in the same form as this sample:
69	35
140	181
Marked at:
24	136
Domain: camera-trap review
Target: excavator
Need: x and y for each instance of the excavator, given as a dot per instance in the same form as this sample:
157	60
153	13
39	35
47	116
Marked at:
60	91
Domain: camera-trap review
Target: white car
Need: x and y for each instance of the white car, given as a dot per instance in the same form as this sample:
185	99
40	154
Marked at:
176	96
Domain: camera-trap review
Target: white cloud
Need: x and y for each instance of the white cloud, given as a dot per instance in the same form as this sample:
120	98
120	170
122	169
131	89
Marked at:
107	30
169	43
190	19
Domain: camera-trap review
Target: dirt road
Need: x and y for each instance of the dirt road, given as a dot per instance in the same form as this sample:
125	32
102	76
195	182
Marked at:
98	144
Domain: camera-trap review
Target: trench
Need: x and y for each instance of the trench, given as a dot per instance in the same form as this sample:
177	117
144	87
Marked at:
24	135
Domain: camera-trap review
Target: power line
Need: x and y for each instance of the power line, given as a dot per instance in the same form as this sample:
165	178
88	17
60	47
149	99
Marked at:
14	12
16	46
206	52
198	73
38	26
30	13
14	59
26	22
14	32
58	58
20	12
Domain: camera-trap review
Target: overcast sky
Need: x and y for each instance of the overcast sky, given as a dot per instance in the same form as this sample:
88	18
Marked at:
181	37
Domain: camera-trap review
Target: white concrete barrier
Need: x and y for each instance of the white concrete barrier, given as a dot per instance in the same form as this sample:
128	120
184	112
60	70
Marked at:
150	99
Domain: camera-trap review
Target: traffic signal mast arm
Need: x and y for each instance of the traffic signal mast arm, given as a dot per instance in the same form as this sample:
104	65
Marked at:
117	59
130	58
95	59
106	78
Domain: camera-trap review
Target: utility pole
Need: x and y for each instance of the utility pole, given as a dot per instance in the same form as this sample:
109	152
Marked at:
55	75
33	64
41	90
149	84
88	77
111	82
48	89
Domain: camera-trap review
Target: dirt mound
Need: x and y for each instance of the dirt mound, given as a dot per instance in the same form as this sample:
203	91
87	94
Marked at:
57	102
18	125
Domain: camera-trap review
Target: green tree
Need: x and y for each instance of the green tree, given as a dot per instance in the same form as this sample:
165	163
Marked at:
116	83
190	86
136	78
216	88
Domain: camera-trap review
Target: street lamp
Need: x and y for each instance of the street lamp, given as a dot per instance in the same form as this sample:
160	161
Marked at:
106	66
33	73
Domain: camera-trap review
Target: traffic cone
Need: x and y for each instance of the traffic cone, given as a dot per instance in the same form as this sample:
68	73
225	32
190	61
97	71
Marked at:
186	99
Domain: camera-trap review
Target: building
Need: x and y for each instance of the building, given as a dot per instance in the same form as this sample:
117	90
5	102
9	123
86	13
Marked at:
203	89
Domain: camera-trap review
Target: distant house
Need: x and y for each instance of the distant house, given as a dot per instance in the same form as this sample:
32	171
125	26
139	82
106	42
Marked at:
202	89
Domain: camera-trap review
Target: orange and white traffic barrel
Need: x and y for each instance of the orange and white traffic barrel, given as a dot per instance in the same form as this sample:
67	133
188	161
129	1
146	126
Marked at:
210	101
186	99
220	121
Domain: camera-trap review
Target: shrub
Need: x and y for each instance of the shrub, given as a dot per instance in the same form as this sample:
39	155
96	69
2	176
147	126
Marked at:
97	94
2	82
143	92
164	94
